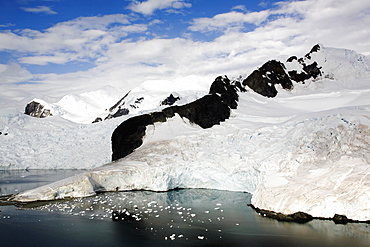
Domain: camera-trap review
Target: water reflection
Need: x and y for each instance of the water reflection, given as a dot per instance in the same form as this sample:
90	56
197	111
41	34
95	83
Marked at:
188	217
210	217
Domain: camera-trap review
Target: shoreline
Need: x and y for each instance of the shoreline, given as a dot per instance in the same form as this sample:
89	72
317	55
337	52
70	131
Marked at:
302	217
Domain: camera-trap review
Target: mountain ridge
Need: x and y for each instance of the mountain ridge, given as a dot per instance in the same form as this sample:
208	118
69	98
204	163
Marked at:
263	80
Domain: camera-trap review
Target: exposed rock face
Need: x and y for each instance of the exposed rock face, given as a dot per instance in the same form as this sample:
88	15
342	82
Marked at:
170	100
228	93
341	219
97	120
264	79
129	135
120	112
310	71
302	217
206	112
117	110
119	103
35	109
299	217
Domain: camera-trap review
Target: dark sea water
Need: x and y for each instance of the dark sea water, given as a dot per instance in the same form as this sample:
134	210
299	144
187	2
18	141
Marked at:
187	217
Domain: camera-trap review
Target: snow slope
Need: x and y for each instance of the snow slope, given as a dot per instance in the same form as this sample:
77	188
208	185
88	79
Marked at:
68	140
304	150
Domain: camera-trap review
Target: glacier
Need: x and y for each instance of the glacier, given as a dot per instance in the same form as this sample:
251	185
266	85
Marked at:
306	149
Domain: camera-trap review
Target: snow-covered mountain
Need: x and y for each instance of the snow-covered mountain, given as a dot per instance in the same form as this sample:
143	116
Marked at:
301	146
96	106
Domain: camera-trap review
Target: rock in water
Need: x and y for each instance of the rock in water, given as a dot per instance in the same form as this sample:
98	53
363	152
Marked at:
298	217
340	219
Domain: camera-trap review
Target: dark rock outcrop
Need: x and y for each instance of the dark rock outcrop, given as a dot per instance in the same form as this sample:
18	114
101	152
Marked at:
97	120
298	217
119	102
291	59
129	135
214	107
35	109
205	112
302	217
315	48
120	112
298	77
170	100
310	70
341	219
228	92
117	110
137	102
264	79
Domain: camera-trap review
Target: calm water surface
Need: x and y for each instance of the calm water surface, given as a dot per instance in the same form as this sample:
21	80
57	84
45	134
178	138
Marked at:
189	217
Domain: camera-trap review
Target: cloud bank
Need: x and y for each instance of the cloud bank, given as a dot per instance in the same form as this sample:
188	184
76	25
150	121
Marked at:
125	50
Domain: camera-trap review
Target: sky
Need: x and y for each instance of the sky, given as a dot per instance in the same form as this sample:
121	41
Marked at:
55	47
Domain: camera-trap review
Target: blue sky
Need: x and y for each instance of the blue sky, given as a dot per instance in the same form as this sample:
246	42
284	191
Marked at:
171	20
84	44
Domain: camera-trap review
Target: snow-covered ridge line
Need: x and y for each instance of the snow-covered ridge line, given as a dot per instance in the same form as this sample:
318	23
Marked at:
321	62
96	106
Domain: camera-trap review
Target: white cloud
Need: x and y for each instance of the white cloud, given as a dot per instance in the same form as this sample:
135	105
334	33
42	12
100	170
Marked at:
7	25
226	21
335	23
148	7
13	73
40	9
44	60
239	7
264	4
81	38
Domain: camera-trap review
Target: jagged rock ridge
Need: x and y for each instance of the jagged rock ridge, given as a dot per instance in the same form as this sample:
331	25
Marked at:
214	107
170	100
264	79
